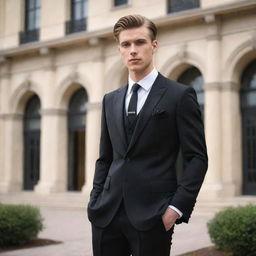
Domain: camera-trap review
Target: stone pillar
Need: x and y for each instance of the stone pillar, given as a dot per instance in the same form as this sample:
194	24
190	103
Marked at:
53	158
12	172
1	130
1	150
92	137
93	121
232	141
213	182
10	136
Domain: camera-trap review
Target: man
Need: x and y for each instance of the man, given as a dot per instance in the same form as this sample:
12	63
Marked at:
136	199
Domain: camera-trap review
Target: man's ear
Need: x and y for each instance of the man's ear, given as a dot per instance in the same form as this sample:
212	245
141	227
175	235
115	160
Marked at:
154	45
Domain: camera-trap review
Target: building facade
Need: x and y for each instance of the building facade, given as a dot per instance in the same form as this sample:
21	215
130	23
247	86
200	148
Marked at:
58	58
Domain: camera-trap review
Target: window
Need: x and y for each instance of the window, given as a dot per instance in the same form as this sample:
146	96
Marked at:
191	77
77	137
248	111
120	2
78	15
182	5
194	78
32	123
32	22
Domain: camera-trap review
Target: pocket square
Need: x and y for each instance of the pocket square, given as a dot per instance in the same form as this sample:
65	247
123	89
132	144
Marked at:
159	113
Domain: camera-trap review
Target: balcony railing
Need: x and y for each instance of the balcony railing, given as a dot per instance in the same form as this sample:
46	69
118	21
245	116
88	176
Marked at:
29	36
182	5
73	26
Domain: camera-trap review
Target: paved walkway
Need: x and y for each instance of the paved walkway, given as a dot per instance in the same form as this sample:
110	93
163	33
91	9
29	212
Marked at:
72	228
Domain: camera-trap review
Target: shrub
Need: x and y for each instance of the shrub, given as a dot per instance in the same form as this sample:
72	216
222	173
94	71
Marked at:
19	224
234	229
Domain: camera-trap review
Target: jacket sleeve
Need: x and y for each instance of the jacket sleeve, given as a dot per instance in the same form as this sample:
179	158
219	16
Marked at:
194	152
105	157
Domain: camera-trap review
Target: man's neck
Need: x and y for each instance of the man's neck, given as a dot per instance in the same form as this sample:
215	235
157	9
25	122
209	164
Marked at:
137	76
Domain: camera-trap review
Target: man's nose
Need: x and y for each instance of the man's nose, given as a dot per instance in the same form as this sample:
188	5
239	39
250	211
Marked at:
133	50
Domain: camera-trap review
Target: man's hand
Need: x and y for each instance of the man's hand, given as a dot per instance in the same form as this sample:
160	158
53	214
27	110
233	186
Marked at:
169	218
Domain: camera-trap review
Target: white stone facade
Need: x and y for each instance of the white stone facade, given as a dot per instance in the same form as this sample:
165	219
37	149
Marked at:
219	39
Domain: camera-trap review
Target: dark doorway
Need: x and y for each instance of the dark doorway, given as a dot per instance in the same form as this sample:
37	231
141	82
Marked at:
32	122
191	77
248	110
77	136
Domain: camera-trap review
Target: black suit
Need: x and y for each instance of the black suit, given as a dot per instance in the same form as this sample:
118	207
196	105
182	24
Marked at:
142	174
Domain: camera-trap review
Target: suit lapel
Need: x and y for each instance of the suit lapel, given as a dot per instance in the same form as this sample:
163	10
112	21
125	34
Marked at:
153	98
118	108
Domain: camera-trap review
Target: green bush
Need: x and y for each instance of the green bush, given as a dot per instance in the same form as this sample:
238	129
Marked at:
19	224
234	229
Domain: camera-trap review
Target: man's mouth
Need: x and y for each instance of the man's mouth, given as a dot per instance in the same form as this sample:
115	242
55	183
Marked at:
134	60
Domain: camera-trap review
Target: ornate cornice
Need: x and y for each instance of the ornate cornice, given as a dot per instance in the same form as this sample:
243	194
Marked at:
94	38
53	112
230	86
93	105
222	86
12	116
212	86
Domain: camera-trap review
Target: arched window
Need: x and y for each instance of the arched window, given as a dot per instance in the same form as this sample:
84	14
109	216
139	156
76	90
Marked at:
248	110
32	121
77	135
191	77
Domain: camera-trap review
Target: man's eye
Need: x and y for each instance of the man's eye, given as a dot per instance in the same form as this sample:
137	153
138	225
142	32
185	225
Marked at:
140	42
125	44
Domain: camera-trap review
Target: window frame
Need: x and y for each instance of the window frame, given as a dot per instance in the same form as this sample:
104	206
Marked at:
73	14
169	9
36	14
121	5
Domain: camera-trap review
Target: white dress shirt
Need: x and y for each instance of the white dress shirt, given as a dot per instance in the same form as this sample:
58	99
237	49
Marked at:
146	85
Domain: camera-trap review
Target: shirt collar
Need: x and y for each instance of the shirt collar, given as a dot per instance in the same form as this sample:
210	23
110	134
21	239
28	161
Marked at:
146	82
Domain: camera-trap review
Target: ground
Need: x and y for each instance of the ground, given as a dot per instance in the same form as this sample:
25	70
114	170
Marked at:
208	251
33	243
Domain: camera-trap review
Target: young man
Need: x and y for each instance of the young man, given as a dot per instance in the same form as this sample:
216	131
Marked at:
136	199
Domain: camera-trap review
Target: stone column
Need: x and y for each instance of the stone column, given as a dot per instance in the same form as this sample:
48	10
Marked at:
213	183
1	129
10	136
93	121
92	137
53	151
232	140
53	158
12	173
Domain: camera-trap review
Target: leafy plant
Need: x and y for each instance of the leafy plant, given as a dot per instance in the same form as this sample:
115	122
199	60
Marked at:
234	229
19	224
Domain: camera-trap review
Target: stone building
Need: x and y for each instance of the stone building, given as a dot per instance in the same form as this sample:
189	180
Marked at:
58	58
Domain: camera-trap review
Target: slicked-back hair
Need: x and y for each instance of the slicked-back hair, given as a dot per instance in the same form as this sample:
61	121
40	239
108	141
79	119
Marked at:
134	21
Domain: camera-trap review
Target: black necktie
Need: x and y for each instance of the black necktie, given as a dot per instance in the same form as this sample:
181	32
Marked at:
132	108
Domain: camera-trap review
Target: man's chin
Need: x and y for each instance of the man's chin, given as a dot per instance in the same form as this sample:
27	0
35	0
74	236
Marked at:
136	69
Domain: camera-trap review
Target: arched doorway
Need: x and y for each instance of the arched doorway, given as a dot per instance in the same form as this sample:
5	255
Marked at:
76	142
191	77
32	123
248	110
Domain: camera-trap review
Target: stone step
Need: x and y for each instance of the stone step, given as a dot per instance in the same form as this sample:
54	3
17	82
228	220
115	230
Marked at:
63	200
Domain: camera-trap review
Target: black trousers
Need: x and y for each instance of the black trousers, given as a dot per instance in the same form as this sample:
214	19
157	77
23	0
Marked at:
120	238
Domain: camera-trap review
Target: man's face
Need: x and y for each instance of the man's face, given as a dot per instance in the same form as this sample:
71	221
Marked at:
137	49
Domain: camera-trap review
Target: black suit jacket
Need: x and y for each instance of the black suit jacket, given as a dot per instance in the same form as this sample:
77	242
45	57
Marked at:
143	174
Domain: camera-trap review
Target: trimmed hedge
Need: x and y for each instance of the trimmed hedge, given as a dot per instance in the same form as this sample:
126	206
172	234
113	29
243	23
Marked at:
19	224
234	229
